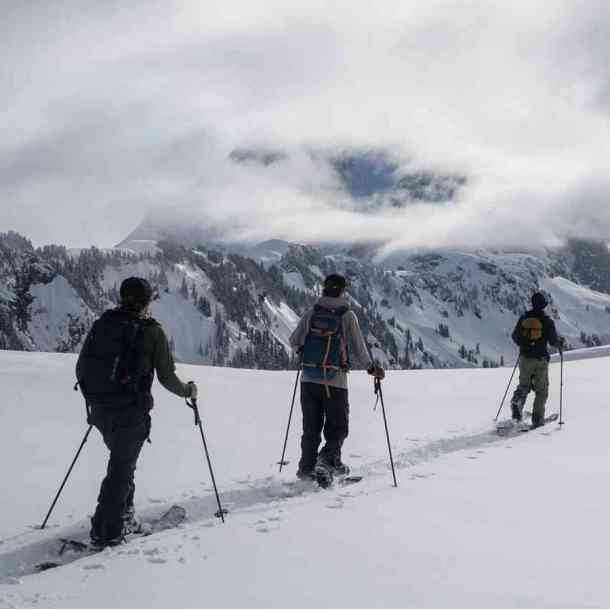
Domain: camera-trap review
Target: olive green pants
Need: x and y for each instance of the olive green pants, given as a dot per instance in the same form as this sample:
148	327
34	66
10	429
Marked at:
533	375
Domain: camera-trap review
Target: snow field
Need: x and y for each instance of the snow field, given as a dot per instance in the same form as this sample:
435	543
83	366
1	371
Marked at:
477	520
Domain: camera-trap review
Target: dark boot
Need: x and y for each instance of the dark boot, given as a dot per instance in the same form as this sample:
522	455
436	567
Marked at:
306	475
131	524
324	472
103	534
340	468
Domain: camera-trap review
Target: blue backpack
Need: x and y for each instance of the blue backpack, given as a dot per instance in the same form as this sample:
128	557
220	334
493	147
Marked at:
325	349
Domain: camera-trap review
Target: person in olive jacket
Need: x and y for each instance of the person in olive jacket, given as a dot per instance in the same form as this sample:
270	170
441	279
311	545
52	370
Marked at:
115	370
533	333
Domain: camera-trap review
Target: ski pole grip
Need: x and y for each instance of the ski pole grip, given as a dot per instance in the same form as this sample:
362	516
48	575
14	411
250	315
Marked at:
196	410
193	405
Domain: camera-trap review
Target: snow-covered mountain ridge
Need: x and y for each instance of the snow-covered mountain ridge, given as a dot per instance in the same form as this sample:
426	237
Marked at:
236	305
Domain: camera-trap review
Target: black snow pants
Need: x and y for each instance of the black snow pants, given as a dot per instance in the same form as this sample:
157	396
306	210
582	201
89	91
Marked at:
124	431
325	408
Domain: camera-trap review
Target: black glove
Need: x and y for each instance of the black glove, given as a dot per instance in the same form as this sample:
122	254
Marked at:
376	370
193	387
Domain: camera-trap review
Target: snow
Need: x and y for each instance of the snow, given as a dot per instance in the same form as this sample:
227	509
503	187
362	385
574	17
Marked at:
6	294
139	246
294	279
55	305
583	354
477	520
284	321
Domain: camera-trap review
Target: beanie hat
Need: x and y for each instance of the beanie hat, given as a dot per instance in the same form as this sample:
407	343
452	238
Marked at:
539	301
136	291
334	284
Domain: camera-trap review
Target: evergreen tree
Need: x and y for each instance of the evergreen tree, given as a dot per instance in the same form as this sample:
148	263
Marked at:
184	290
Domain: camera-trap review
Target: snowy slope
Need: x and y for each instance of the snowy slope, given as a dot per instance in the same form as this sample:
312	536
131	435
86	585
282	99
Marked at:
477	520
60	319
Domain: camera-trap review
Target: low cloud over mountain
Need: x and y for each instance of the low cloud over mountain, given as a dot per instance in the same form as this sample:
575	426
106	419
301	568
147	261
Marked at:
495	112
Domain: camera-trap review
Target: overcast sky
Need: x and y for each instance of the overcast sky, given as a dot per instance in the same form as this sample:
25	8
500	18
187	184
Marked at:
112	109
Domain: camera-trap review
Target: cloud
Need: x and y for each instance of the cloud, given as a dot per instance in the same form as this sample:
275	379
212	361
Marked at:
115	110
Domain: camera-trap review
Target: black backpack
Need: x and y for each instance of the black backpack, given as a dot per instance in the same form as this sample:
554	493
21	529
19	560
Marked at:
110	357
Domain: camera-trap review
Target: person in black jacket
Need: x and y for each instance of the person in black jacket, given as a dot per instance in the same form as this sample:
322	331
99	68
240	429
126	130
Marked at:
533	333
117	387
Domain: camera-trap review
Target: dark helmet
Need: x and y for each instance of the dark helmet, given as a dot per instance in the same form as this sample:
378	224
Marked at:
539	301
136	291
334	284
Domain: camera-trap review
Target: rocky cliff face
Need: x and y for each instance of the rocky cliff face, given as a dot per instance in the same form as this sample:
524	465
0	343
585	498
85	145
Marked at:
236	306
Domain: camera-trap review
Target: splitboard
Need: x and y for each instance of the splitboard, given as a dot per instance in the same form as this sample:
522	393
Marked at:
510	426
71	549
301	486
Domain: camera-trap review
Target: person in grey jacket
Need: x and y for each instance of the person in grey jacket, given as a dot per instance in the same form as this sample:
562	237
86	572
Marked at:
324	399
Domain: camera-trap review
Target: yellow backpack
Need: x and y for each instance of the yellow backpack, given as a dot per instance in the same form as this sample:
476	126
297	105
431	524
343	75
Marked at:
531	329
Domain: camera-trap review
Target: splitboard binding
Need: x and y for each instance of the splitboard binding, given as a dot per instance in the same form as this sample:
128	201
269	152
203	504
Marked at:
510	426
325	477
69	546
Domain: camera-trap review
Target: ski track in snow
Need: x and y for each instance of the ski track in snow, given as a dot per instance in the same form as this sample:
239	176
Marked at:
32	548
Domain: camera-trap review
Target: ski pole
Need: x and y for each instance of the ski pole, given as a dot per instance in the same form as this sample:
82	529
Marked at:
379	394
561	422
294	394
44	523
193	405
508	387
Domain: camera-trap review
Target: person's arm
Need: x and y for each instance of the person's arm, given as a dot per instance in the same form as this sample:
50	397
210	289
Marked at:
163	363
297	338
552	337
358	351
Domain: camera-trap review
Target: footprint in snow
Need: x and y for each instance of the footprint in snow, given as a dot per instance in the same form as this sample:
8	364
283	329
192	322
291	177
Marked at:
157	560
275	518
263	529
94	566
150	552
